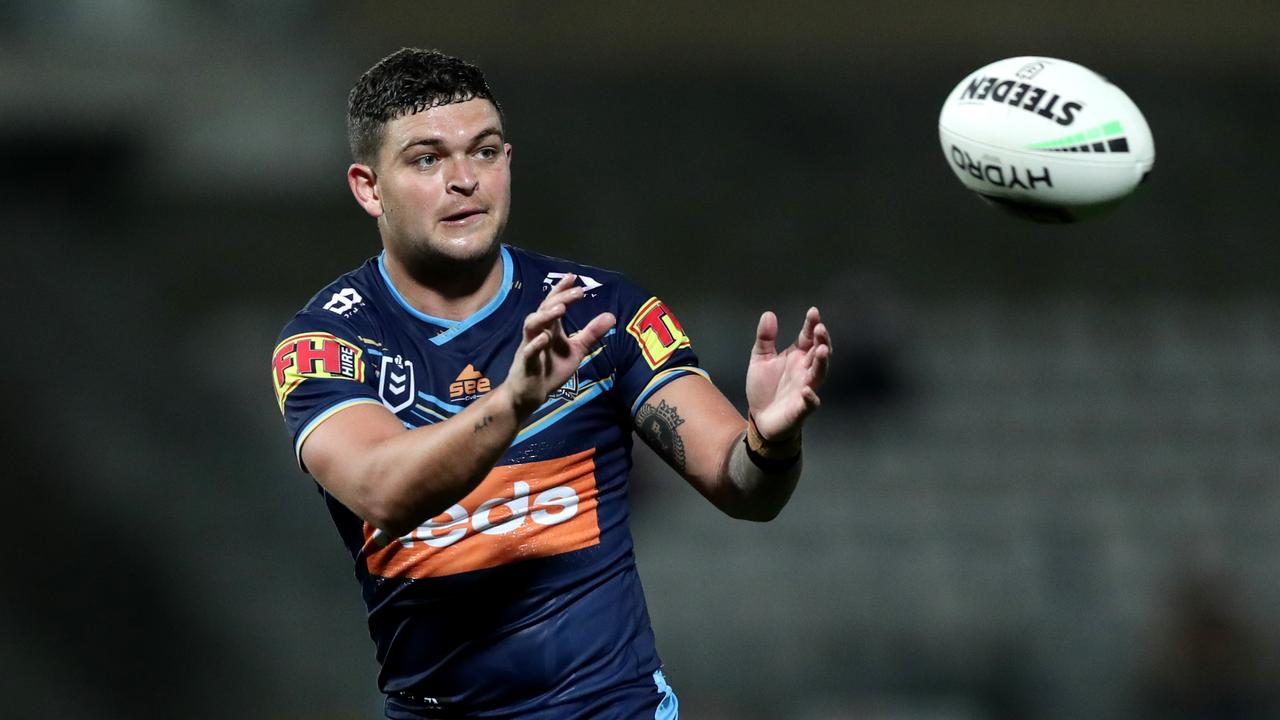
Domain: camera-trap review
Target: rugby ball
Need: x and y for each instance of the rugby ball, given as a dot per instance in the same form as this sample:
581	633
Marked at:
1045	139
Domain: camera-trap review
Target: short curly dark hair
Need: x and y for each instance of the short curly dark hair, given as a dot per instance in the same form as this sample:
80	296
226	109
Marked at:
407	81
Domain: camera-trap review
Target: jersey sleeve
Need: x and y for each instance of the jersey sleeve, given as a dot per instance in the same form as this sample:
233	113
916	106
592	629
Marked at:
650	347
318	368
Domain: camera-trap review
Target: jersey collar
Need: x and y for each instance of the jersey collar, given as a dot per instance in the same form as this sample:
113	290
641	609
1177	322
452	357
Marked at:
452	328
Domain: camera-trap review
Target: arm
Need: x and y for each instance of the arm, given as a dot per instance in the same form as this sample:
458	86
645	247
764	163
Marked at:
747	468
395	478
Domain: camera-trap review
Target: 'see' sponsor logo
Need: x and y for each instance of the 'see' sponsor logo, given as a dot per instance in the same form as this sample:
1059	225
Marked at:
469	383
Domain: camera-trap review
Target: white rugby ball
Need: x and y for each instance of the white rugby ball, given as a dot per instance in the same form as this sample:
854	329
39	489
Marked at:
1045	139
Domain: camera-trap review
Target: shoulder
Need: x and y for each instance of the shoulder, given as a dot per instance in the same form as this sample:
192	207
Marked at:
609	285
347	303
545	266
349	293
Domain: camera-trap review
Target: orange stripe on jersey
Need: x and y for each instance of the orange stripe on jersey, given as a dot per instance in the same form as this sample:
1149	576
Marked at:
517	512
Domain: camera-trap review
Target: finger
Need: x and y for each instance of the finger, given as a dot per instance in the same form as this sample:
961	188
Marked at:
538	320
766	335
559	338
818	368
821	339
811	400
811	319
558	292
566	295
533	353
564	282
563	288
822	336
545	352
798	407
593	332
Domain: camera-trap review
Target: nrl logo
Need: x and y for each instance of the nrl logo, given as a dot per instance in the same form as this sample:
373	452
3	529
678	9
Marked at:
396	384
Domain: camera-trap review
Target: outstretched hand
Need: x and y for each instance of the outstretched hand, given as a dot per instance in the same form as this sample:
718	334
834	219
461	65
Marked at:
547	356
782	386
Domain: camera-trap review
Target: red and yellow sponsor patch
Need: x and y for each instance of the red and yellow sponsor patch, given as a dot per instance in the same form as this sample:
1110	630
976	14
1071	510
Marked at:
517	512
657	331
313	355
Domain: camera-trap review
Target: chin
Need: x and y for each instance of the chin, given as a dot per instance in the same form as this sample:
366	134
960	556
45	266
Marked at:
460	250
470	249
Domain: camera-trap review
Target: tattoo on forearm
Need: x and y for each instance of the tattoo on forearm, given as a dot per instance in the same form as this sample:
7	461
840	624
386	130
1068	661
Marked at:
657	427
484	422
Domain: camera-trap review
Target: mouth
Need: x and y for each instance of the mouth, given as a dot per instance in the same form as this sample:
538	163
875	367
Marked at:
465	216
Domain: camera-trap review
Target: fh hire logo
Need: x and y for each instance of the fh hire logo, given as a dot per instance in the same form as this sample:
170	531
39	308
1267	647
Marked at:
396	384
315	355
470	383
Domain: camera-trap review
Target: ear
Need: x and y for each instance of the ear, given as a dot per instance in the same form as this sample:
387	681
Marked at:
363	182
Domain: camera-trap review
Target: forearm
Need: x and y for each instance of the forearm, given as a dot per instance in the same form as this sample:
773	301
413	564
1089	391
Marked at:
414	476
691	425
757	489
396	480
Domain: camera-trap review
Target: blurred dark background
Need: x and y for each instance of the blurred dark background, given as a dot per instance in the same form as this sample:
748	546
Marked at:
1044	482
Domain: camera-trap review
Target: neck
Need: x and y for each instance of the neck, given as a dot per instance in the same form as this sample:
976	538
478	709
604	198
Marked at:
449	290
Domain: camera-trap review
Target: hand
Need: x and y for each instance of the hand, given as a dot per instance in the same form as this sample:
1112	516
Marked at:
782	387
547	356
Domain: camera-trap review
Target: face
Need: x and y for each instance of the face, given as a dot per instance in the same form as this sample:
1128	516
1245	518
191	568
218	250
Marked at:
441	187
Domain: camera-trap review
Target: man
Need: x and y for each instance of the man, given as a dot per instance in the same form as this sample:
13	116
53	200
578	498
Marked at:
466	407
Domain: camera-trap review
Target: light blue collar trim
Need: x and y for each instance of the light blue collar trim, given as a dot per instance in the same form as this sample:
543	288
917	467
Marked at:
453	327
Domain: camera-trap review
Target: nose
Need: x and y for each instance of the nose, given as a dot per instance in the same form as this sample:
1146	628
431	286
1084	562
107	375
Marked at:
463	178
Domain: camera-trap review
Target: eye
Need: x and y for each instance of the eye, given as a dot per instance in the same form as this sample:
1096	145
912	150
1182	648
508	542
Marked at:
487	153
426	161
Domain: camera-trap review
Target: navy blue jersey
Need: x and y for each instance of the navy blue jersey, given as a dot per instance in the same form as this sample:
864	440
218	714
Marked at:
524	595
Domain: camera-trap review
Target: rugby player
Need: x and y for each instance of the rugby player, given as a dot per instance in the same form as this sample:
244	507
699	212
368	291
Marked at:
466	408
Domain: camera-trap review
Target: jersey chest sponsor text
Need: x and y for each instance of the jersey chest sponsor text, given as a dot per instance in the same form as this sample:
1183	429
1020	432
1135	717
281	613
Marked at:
517	512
